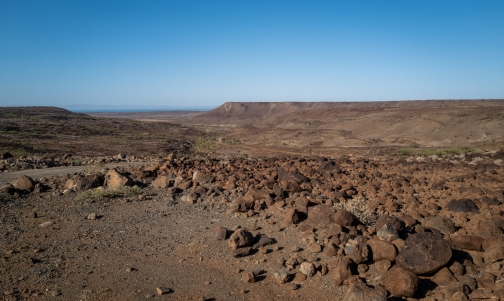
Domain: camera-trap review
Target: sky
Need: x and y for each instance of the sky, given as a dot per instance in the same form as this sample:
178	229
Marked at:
84	53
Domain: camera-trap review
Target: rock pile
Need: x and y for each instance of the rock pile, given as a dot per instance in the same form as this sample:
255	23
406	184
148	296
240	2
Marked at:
426	227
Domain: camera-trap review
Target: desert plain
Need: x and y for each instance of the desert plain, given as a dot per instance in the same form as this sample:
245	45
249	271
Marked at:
254	201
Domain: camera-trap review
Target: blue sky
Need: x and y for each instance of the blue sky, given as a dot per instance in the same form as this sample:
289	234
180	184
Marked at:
204	53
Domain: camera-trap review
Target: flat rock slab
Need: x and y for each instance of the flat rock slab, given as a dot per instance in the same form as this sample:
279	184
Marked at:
424	253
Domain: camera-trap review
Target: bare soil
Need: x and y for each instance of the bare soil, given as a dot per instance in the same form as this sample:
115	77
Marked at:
55	245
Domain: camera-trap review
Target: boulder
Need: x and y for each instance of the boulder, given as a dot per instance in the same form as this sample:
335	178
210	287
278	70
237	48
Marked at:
494	253
115	179
443	277
201	177
240	238
344	218
291	217
387	232
382	250
462	205
307	268
400	282
162	182
468	242
340	269
387	219
24	184
357	249
243	204
362	292
88	182
320	215
440	223
424	253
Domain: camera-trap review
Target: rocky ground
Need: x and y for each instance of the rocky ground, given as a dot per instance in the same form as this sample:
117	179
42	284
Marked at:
272	228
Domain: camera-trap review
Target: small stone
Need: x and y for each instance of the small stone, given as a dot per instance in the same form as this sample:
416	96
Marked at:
45	224
281	276
382	266
443	277
220	233
330	250
240	238
362	292
92	216
299	277
307	268
249	277
315	248
163	290
388	232
241	252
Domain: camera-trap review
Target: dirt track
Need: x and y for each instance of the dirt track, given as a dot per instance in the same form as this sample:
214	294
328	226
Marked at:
8	177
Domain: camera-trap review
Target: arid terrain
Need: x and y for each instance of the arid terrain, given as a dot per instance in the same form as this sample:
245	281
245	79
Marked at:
255	201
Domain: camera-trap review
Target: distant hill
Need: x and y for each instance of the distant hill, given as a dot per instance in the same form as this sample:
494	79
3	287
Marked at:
436	123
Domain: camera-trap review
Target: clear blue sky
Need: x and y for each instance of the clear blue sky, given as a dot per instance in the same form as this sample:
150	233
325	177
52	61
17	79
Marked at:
204	53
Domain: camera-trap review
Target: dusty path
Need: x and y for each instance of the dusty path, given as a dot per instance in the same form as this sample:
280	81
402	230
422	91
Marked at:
8	177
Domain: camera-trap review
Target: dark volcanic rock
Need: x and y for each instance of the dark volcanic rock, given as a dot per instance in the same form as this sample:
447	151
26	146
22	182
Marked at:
88	182
386	219
462	205
424	253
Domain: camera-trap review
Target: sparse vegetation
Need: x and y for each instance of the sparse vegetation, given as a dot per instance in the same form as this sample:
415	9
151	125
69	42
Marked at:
204	145
437	151
100	193
358	207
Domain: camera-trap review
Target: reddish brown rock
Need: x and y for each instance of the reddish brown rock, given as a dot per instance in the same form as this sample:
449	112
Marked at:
382	250
357	249
240	238
424	253
249	277
494	253
320	215
243	204
24	184
440	223
344	218
220	233
115	179
400	282
486	280
362	292
291	217
340	269
468	242
386	219
443	277
330	250
162	182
